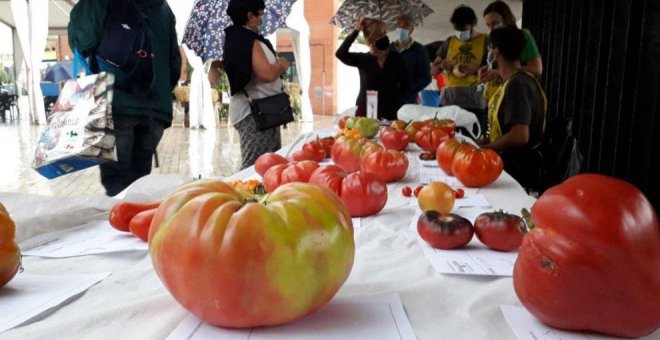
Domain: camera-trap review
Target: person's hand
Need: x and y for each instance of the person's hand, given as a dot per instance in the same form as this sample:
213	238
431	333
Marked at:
446	64
358	23
486	75
469	68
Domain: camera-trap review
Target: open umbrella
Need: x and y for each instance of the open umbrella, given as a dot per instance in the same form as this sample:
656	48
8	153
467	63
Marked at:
205	30
386	10
59	71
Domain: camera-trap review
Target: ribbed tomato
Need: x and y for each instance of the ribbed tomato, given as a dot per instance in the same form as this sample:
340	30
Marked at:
385	165
394	139
235	262
429	138
10	254
592	260
446	151
347	152
288	173
477	167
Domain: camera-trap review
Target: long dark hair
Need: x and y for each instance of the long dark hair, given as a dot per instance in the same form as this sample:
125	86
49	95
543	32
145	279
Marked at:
501	8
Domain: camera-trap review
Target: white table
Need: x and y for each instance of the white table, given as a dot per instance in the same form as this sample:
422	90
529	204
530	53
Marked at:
133	304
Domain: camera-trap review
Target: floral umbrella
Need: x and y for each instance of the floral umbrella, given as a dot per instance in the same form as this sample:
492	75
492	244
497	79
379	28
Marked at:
386	10
205	30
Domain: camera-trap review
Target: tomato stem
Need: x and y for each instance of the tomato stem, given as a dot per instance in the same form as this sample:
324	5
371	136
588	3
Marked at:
527	217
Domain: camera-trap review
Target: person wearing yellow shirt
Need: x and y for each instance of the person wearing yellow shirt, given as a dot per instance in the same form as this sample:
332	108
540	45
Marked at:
516	112
461	56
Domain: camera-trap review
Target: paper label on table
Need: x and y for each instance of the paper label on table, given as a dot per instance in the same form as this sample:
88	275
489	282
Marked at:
380	317
472	259
96	237
478	200
357	222
431	174
27	295
372	104
525	326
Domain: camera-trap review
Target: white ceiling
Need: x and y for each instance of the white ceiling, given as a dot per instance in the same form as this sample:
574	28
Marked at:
436	26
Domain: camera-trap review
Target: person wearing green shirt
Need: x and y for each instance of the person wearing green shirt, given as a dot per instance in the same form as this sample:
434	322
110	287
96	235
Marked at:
497	15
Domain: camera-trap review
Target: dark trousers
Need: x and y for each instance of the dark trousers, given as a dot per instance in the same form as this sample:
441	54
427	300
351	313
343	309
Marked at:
137	138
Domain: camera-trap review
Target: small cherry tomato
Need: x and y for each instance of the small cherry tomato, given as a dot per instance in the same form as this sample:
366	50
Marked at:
417	190
459	193
406	191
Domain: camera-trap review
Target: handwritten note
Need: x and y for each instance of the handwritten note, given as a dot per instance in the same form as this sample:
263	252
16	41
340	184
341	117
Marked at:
28	295
378	317
96	237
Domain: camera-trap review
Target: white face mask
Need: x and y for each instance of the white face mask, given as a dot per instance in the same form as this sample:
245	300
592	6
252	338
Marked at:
463	35
402	34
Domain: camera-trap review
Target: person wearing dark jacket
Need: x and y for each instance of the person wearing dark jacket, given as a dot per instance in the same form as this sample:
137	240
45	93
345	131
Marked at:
381	69
139	118
253	68
414	55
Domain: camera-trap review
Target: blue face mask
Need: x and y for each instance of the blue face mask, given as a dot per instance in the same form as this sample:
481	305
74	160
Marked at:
262	27
402	34
463	35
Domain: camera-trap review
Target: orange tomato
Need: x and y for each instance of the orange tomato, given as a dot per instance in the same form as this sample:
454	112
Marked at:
436	196
139	225
122	213
10	254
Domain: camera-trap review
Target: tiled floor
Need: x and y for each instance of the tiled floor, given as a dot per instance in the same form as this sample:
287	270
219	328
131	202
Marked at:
181	151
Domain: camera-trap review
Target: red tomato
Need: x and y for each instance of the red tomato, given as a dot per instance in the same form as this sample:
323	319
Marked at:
444	231
139	225
363	194
446	151
237	263
288	173
477	167
417	190
406	191
459	193
412	129
267	160
429	138
327	143
592	260
447	125
10	254
348	152
394	139
385	165
122	213
342	121
499	230
307	155
315	149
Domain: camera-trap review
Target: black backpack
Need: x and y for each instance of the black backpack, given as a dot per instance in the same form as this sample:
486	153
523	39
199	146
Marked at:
125	49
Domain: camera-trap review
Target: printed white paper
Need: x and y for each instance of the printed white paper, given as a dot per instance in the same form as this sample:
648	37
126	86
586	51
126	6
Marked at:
96	237
28	295
378	317
525	326
473	259
430	174
477	200
357	222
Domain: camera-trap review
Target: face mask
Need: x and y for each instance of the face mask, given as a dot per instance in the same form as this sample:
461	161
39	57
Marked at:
383	43
463	35
262	27
402	34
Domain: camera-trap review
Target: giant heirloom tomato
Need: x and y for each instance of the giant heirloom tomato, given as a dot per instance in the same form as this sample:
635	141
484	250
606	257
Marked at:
10	254
363	194
237	263
429	138
477	167
592	261
385	165
446	152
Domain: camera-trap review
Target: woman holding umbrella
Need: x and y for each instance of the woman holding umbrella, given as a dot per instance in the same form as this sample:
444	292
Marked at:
381	69
252	67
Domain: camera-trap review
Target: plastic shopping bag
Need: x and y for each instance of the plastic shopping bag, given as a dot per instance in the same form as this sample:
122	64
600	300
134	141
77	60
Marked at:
80	132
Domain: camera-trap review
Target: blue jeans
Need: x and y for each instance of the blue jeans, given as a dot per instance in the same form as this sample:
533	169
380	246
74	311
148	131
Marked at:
137	138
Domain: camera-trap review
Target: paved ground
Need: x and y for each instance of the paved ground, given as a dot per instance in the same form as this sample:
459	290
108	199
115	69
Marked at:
181	151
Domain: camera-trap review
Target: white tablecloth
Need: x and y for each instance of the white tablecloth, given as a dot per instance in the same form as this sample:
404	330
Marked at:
133	304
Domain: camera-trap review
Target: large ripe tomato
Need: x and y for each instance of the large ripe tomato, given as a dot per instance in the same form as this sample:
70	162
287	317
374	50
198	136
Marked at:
10	254
412	129
363	194
267	160
347	152
315	149
448	125
429	138
235	262
592	261
444	231
385	165
394	139
288	173
477	167
342	121
446	151
327	143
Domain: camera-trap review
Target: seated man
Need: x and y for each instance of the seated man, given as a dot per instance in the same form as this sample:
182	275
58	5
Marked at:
516	112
